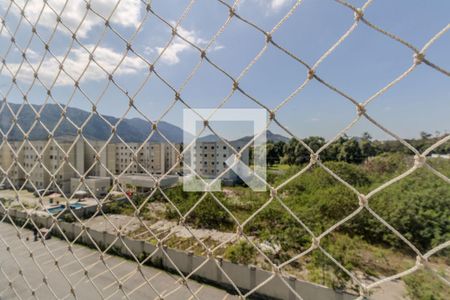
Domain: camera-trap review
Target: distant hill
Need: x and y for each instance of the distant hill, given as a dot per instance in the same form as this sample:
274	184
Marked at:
271	137
130	130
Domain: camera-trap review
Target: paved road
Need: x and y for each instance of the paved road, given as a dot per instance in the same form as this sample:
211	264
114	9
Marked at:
27	273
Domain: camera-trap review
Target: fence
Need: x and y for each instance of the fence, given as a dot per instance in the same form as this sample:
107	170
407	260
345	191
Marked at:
48	19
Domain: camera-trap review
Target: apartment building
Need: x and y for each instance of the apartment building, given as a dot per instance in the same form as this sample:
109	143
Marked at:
61	159
155	158
43	159
106	163
209	159
7	163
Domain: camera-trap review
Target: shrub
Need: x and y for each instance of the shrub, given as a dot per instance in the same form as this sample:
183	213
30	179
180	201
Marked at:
241	253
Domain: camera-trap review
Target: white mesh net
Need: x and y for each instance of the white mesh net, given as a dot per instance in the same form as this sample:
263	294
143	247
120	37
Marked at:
61	266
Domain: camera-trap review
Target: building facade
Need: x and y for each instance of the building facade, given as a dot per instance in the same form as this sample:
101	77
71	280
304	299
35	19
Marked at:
155	158
209	159
8	164
106	154
52	163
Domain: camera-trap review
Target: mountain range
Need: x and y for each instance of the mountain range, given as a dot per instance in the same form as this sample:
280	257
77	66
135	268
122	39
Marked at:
130	130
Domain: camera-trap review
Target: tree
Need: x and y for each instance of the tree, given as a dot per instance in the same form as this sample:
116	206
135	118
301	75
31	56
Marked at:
296	153
367	149
274	152
332	151
350	152
425	135
366	136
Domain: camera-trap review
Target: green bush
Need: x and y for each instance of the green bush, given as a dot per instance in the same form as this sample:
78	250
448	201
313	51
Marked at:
241	253
424	285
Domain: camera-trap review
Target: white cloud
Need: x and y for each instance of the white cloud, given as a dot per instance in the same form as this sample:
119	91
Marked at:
278	4
171	55
127	13
75	64
271	6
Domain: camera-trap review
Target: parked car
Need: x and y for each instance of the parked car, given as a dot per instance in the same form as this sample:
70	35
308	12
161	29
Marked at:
2	186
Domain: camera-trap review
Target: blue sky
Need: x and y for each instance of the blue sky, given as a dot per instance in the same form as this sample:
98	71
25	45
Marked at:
364	63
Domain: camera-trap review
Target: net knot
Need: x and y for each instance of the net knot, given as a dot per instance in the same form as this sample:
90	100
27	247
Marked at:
362	200
315	242
239	230
271	115
419	161
276	269
232	12
314	158
421	261
358	14
273	192
418	58
361	110
209	253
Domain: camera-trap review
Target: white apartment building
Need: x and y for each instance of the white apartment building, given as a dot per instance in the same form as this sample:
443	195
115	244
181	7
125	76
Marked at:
209	159
93	159
60	159
7	162
106	154
155	158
